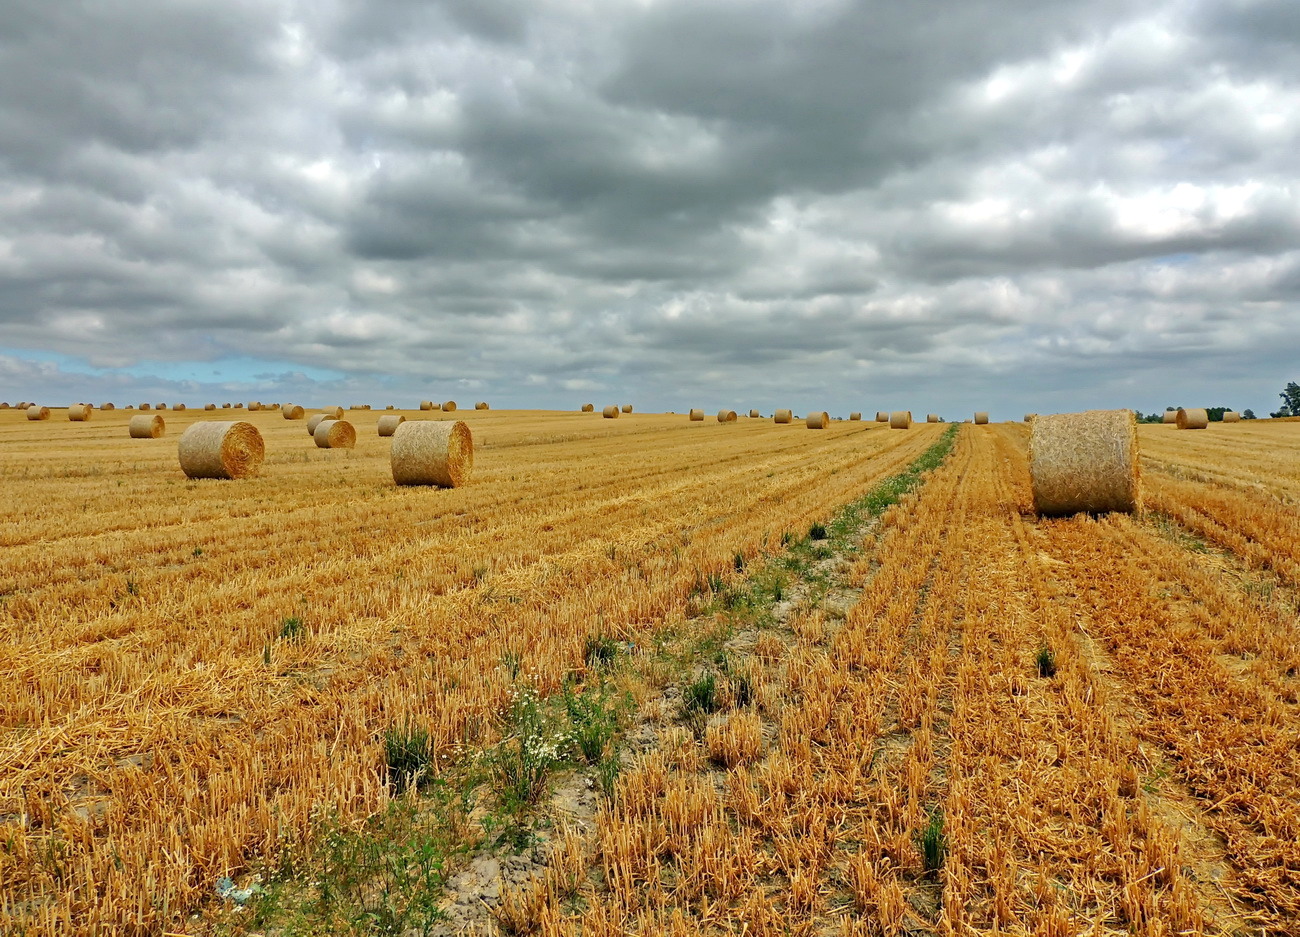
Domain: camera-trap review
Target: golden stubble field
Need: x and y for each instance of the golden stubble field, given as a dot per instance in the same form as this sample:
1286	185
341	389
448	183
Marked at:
157	734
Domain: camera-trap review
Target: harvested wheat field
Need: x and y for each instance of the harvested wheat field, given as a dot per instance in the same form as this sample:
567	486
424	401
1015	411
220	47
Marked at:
646	676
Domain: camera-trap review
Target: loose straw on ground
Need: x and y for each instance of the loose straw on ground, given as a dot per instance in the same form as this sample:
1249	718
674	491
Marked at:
335	434
211	449
146	427
432	453
388	424
1085	462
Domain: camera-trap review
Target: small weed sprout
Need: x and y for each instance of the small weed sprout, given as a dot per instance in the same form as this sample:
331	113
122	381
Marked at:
817	532
738	561
1045	659
599	651
522	763
408	754
933	842
701	696
292	629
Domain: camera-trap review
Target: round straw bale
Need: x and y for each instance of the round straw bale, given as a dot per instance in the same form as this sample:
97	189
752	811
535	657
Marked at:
333	413
855	417
1231	416
4	405
726	416
900	419
433	453
1029	417
225	406
426	404
161	406
178	406
388	424
932	418
211	449
696	415
981	417
239	406
107	406
335	434
818	419
146	406
882	416
754	414
35	412
610	412
627	408
449	406
254	405
209	406
1171	416
782	416
1192	419
316	420
1085	462
146	427
588	408
482	405
292	411
80	412
129	406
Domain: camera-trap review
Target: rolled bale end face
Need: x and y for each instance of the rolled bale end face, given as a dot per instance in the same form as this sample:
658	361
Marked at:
588	408
437	453
388	424
1194	418
146	427
449	406
819	419
335	434
981	417
782	416
212	449
1085	463
292	412
1231	416
79	413
855	417
610	413
35	412
697	416
726	416
900	419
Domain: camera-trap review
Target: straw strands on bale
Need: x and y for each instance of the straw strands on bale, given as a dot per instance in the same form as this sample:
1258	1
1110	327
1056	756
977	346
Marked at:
449	406
335	434
588	408
900	419
1231	416
38	413
433	453
754	414
818	419
482	405
627	408
213	449
316	421
782	416
388	424
932	418
855	417
1085	462
981	417
610	412
726	416
1171	416
1194	418
146	427
79	413
882	416
697	415
292	411
209	406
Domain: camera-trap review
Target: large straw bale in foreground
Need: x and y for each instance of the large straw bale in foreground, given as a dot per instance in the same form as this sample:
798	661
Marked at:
981	417
726	416
610	412
1195	418
696	415
212	449
782	416
1171	416
79	413
1085	462
1231	416
335	434
900	419
151	426
388	424
588	408
316	420
291	411
35	412
433	453
818	419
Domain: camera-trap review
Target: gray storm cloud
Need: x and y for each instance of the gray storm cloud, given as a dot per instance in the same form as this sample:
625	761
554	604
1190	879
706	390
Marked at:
842	204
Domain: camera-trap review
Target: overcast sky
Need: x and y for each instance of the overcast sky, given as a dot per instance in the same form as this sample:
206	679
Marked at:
937	205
